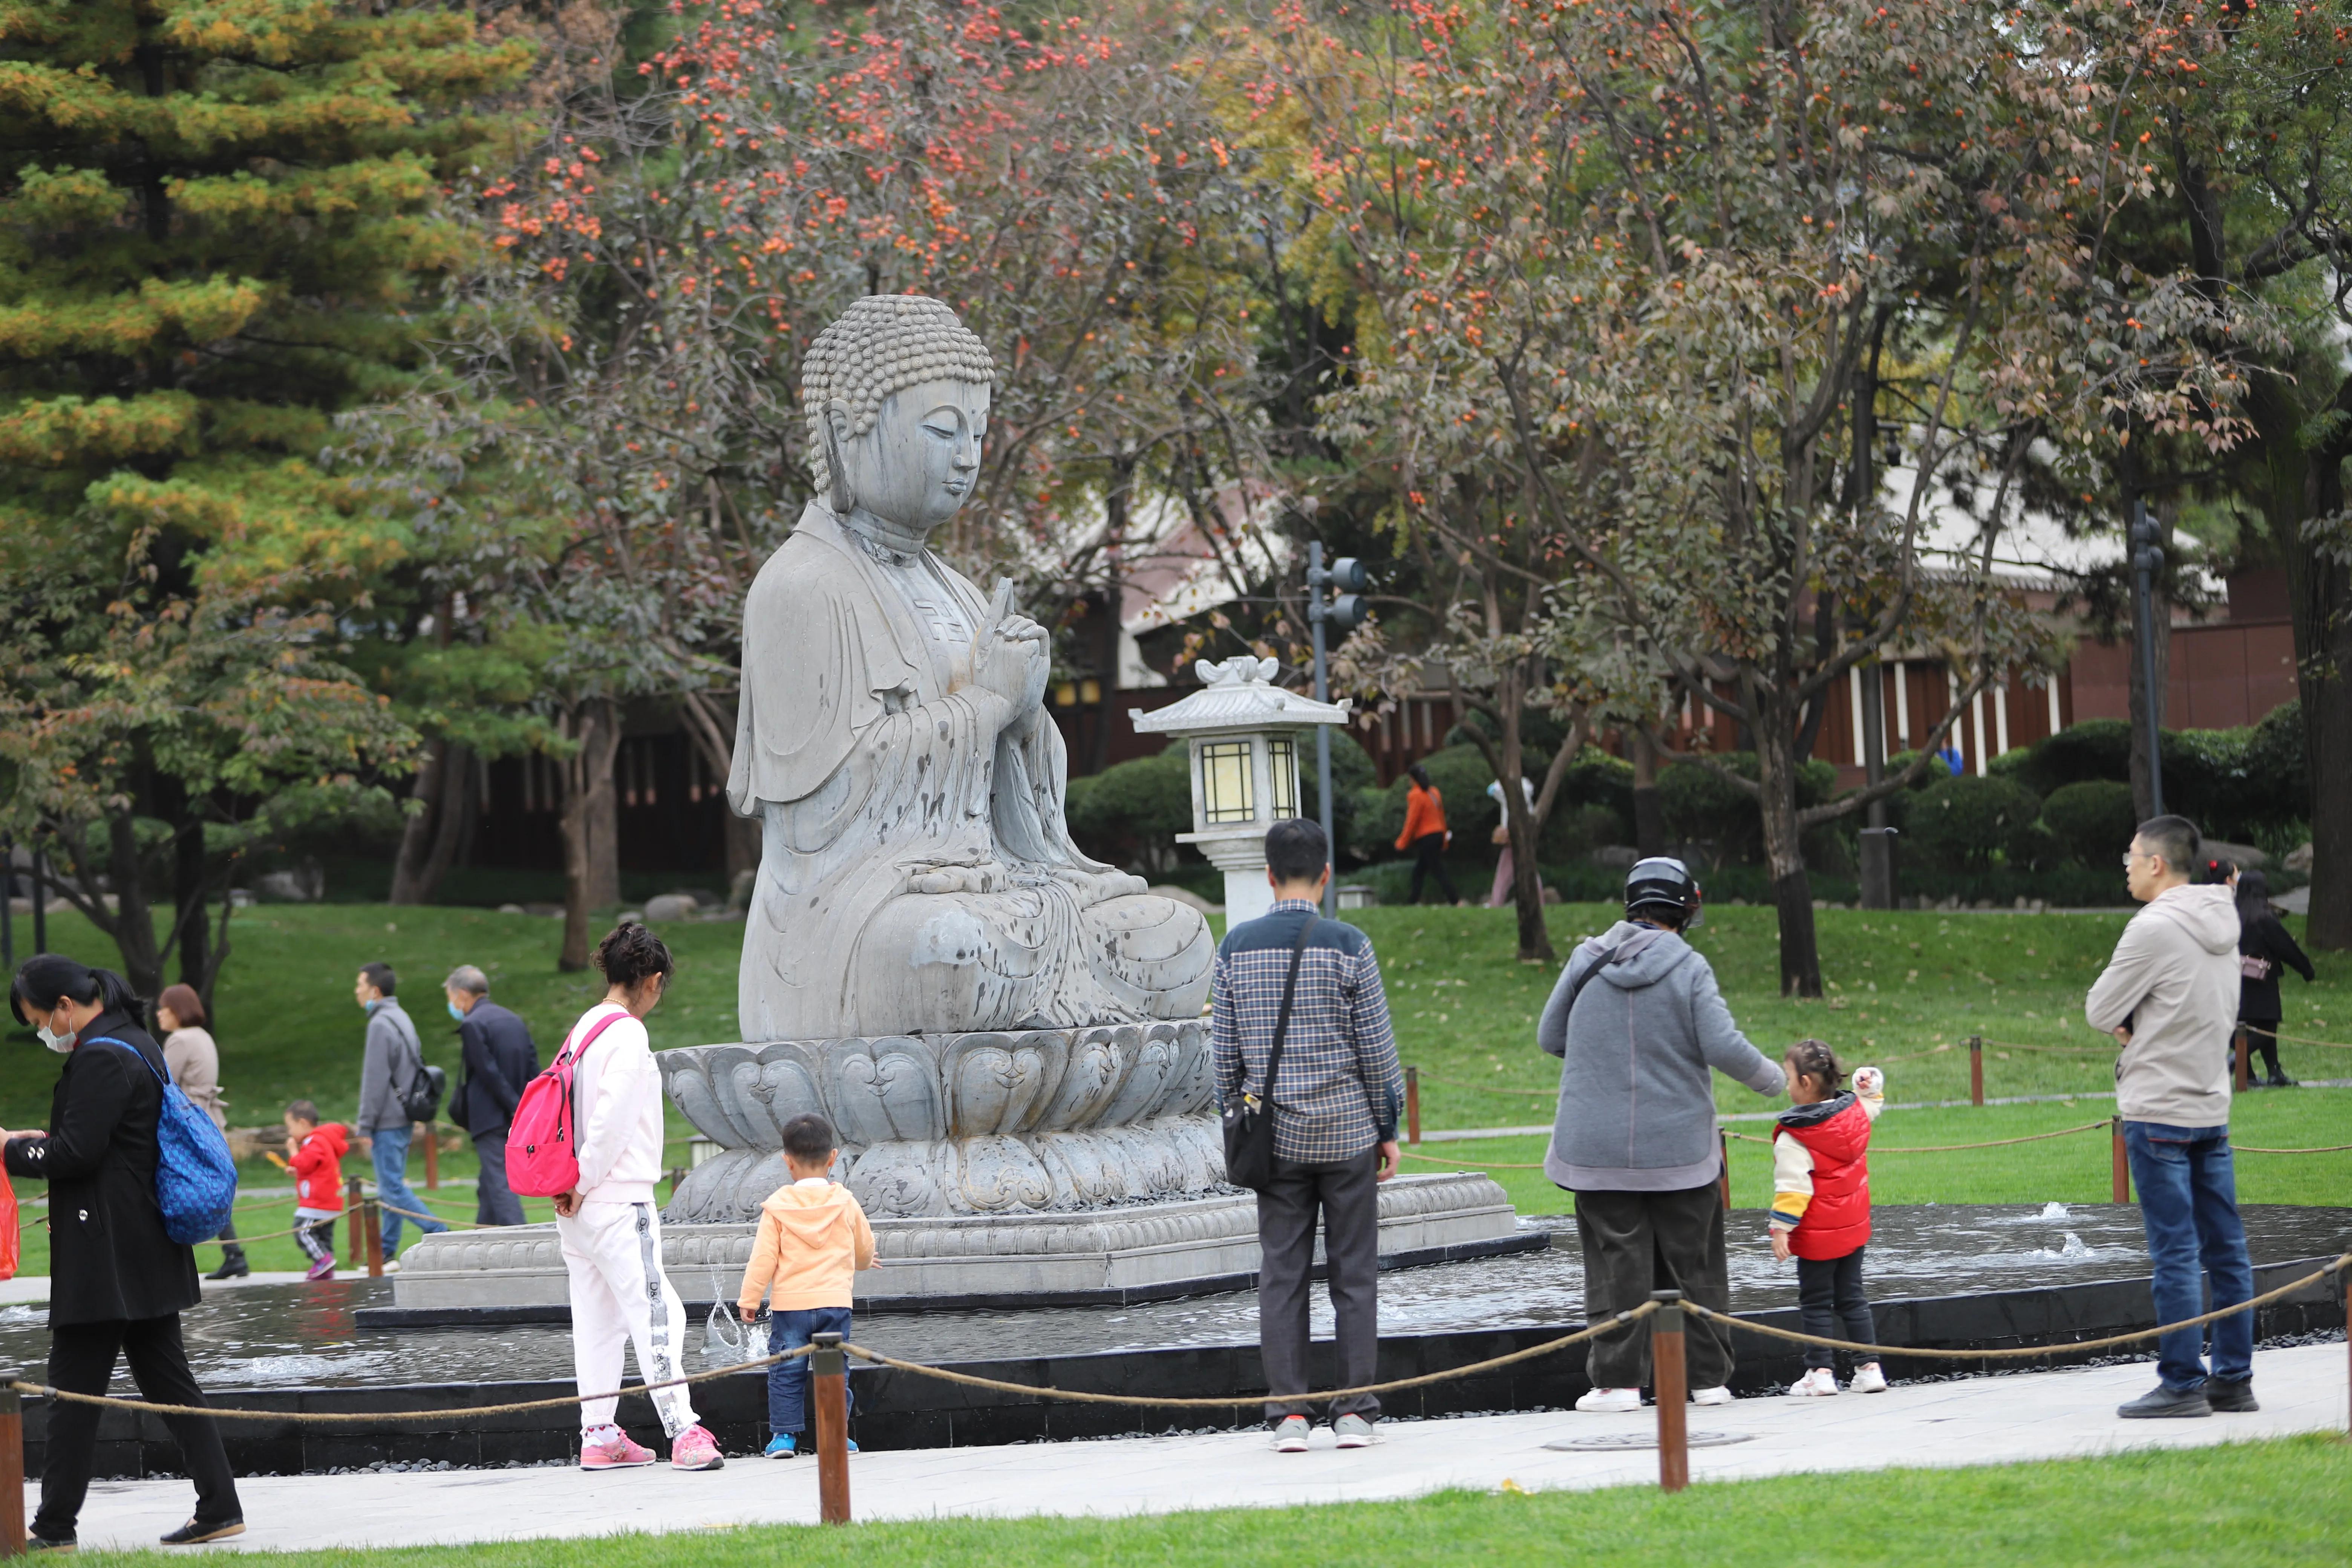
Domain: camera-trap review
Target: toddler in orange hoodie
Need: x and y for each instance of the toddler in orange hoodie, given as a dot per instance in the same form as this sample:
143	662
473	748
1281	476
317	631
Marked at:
813	1236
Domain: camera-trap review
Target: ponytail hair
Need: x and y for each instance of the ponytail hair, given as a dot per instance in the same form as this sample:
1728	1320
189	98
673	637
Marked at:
49	978
1815	1060
630	954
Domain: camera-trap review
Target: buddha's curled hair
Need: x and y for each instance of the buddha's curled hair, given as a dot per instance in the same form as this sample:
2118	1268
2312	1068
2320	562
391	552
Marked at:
884	344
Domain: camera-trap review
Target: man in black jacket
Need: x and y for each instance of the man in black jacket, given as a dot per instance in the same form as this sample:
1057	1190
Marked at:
118	1283
501	1058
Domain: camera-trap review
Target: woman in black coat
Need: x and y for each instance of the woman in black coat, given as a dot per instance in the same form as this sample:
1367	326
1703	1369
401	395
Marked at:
117	1282
2264	949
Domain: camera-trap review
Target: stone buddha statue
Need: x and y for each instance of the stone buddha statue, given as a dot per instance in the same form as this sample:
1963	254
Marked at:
916	873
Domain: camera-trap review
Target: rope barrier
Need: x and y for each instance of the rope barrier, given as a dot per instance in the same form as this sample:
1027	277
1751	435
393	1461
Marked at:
2011	1352
1468	1164
330	1418
2049	1050
1951	1147
2307	1040
1079	1396
1485	1089
2324	1149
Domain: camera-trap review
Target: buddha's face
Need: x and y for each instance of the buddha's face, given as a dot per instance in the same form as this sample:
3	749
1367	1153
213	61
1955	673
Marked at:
914	468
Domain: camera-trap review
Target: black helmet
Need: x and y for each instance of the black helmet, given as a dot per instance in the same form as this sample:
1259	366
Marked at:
1662	880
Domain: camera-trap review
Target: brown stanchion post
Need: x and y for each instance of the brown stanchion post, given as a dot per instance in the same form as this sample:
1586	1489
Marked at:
372	1221
1666	1372
2122	1160
1723	1149
829	1370
12	1468
1413	1105
1976	1069
2242	1050
431	1155
354	1200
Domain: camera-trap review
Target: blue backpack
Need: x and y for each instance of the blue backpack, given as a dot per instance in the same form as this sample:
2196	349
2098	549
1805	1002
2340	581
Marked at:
196	1180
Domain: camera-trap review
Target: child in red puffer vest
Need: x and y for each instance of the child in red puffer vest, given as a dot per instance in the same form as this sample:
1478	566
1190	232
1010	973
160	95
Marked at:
1821	1206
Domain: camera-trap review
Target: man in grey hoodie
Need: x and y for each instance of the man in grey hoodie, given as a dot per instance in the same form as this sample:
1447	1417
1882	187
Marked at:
388	1068
1638	1025
2170	995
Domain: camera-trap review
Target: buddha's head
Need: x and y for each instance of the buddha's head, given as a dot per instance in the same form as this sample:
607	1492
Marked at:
895	393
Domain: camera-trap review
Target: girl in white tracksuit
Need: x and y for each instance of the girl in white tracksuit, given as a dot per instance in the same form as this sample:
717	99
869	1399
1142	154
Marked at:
609	1227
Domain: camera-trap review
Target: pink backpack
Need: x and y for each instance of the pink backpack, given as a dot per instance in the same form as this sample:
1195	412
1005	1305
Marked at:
542	1152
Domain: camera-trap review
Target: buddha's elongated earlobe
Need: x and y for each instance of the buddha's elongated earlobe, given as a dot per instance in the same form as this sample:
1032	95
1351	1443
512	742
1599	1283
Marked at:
836	457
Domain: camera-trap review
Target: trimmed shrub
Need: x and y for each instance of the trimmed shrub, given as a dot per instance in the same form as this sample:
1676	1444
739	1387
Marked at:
1963	823
1130	814
2091	820
1702	806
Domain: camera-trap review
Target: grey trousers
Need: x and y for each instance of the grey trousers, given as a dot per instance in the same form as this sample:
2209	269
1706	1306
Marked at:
1636	1243
1347	1195
494	1201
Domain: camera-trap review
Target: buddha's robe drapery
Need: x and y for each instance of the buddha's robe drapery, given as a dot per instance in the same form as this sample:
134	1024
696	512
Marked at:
915	874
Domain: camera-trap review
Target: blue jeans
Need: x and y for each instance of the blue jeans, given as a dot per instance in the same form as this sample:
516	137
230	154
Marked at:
788	1381
389	1147
2189	1201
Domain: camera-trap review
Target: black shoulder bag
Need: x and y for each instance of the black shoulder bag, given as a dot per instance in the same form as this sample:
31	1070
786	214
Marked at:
1249	1122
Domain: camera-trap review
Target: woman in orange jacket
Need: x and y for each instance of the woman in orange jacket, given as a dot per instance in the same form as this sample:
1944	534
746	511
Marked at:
1425	835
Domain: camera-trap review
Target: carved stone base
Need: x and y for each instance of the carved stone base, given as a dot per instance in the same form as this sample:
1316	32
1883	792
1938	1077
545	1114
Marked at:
1131	1253
1010	1122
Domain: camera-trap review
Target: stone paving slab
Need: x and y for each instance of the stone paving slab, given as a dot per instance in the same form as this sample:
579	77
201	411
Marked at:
1974	1421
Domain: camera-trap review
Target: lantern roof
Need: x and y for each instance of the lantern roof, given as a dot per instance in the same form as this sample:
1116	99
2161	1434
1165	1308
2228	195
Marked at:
1238	695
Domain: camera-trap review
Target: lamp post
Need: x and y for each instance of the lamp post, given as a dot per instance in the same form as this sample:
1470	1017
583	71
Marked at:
1345	612
1244	735
2148	559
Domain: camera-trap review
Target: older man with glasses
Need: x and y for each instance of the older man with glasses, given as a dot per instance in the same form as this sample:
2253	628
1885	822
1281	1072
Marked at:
501	1058
2170	995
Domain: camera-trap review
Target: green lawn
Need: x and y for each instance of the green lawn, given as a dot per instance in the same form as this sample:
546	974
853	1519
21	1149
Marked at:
2268	1502
1902	983
2069	1170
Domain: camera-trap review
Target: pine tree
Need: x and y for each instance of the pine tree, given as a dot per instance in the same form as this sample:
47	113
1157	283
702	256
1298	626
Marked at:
220	226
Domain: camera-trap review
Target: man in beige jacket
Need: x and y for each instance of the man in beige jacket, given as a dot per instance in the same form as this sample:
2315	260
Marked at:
2170	995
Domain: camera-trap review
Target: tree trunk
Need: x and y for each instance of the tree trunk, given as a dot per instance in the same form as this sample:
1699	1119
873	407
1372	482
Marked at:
2159	614
2321	586
1784	855
428	839
1526	877
586	774
710	729
1649	808
134	921
190	894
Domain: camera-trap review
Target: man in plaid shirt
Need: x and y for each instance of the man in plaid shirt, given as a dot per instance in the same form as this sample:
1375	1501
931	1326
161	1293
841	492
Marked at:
1334	1128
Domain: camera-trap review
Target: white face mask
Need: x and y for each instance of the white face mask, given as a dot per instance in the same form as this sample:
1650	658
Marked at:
61	1044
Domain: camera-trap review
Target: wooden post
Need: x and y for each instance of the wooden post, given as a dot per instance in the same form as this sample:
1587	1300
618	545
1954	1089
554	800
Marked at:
1666	1372
354	1200
2347	1341
431	1155
372	1221
1976	1069
2123	1160
2242	1050
12	1468
1723	1149
1413	1105
829	1373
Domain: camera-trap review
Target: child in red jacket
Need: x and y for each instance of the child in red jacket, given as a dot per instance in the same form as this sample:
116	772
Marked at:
1820	1205
318	1167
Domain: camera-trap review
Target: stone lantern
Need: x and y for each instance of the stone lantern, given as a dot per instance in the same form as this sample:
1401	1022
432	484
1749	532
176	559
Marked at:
1244	733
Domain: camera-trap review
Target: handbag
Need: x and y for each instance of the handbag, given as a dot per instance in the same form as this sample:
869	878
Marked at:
1249	1120
196	1180
421	1100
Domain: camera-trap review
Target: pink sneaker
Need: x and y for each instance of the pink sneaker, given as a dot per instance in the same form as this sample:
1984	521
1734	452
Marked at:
322	1270
609	1449
694	1449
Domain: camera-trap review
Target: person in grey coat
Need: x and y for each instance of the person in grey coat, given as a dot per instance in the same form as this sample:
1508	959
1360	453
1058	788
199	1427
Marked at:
1639	1026
394	1059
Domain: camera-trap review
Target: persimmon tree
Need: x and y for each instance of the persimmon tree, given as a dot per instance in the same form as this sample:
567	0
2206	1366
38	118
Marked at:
1657	277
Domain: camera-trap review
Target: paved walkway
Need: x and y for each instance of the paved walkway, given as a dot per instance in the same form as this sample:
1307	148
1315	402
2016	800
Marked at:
1977	1421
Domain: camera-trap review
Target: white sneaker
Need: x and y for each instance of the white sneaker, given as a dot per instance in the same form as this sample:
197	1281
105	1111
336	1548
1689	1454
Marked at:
391	1265
1868	1378
1610	1401
1817	1384
1354	1431
1290	1438
1716	1395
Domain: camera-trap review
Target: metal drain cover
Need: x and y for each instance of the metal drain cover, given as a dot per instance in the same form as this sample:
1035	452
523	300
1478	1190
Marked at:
1608	1442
